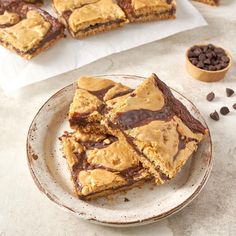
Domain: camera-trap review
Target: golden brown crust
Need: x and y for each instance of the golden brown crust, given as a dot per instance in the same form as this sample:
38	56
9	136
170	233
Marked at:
151	4
100	29
29	56
46	46
209	2
109	192
153	17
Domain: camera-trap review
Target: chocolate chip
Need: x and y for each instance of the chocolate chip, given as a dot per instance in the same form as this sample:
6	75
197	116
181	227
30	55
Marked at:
210	96
218	50
212	68
200	64
194	61
225	59
126	199
209	55
234	106
194	47
218	67
214	55
205	48
229	92
202	57
223	65
207	62
224	110
197	52
215	116
133	94
191	54
214	62
220	55
211	46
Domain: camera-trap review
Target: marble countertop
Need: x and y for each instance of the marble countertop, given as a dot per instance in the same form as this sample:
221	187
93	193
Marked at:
25	211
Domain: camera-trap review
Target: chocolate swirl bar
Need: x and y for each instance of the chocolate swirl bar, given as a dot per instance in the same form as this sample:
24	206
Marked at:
158	126
149	121
101	164
142	10
89	17
27	29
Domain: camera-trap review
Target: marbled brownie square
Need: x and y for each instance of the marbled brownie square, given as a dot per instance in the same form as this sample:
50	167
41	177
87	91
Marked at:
158	126
101	165
88	17
27	29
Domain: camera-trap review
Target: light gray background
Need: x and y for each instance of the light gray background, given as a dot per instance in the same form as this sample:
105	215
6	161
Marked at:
25	211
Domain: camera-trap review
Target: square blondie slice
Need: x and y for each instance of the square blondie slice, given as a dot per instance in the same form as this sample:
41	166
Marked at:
101	165
209	2
26	29
142	10
158	126
88	17
88	106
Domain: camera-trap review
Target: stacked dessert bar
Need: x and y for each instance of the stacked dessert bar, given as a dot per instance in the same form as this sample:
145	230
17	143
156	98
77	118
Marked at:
88	17
123	137
27	29
85	18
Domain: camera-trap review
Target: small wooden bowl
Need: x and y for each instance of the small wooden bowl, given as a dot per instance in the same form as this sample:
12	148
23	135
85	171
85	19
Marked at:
206	75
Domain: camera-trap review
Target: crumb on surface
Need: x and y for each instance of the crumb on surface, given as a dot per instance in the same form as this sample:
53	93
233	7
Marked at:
126	199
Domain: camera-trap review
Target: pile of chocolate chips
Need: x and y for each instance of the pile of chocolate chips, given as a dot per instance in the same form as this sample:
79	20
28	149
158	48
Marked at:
223	110
208	57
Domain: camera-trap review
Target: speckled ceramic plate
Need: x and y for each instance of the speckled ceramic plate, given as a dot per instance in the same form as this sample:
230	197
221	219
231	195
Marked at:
146	204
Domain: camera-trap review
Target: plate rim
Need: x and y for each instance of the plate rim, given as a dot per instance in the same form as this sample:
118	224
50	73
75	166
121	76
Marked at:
152	219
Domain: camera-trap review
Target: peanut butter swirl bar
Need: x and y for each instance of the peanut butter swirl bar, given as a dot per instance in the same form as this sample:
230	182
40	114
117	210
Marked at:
89	17
158	126
26	29
89	102
210	2
148	121
143	10
101	164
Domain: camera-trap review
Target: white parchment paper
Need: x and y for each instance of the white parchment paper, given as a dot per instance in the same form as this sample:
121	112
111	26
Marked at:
69	54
